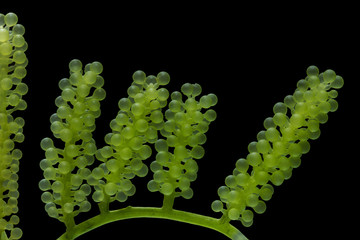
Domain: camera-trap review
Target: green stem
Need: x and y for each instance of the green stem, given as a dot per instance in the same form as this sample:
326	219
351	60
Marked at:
148	212
168	202
104	205
4	236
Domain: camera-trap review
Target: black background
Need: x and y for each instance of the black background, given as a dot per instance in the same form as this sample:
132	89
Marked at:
249	55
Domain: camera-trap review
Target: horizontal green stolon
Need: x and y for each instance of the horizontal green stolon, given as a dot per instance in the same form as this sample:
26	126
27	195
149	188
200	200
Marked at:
219	225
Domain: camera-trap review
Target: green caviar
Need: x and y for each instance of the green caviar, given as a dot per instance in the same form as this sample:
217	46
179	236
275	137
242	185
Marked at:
279	147
66	168
79	173
12	70
184	132
136	126
71	180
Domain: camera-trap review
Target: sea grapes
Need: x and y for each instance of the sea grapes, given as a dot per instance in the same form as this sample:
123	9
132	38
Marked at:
184	130
77	172
79	175
133	129
66	168
278	149
13	64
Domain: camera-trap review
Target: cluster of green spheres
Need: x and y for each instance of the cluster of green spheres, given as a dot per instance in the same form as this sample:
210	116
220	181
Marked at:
136	125
279	147
66	168
12	70
184	131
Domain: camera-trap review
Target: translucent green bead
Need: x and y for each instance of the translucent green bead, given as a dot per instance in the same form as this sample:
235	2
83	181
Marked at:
139	77
19	57
153	186
266	192
98	173
297	120
176	96
99	94
254	159
329	76
338	82
6	84
206	101
145	152
141	125
210	115
295	149
111	188
230	181
51	153
234	214
187	193
252	200
272	134
187	89
277	178
16	233
68	207
5	48
20	72
161	145
18	29
11	19
289	101
150	80
64	167
57	187
72	150
261	177
333	105
157	116
167	189
46	143
269	123
312	71
270	160
242	179
21	89
126	153
263	146
247	216
137	109
197	152
85	206
217	206
280	108
163	78
260	207
44	185
46	197
96	67
322	117
196	90
302	85
116	139
75	65
90	77
280	119
163	94
4	35
18	41
242	165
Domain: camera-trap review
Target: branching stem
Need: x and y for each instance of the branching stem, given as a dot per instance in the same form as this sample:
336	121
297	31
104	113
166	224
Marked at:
149	212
